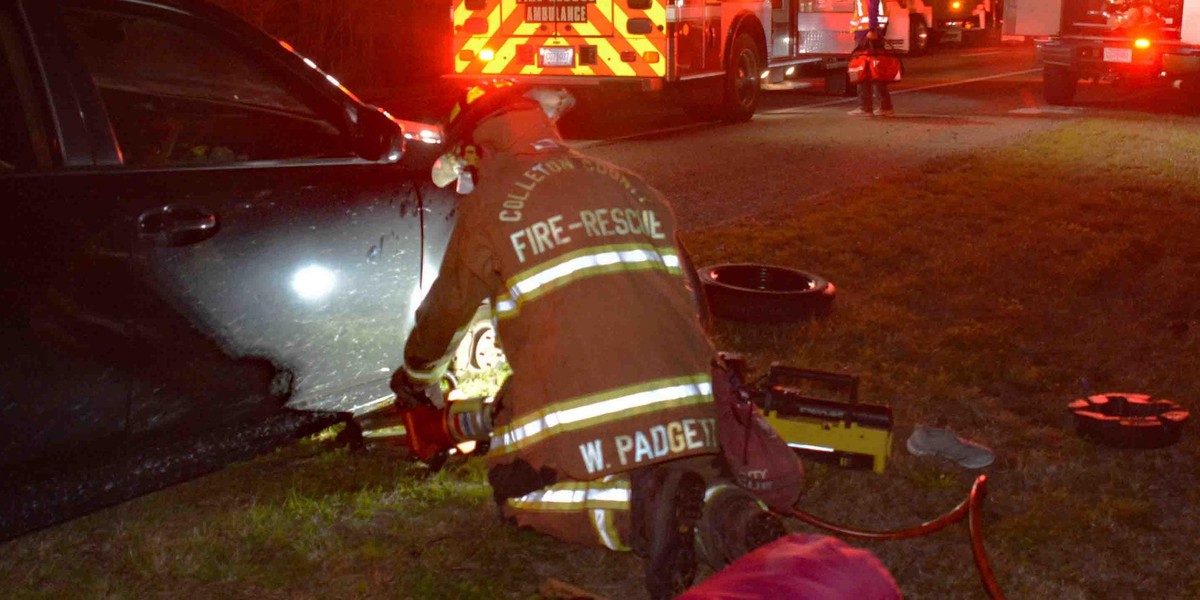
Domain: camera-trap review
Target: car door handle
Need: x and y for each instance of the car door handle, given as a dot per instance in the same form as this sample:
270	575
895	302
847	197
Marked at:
177	225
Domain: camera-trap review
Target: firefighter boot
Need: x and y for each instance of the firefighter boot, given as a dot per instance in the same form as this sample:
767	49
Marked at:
734	523
667	503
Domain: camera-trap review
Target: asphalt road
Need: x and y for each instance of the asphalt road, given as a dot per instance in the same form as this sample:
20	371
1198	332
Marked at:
802	144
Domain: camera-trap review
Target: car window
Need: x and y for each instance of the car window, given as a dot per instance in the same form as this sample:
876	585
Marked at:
178	96
25	146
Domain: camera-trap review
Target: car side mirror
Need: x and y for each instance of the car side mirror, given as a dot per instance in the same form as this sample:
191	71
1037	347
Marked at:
378	137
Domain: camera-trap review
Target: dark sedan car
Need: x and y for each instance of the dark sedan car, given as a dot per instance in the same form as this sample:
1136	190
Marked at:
209	245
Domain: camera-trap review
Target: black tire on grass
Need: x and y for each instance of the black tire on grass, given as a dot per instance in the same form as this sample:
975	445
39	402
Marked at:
764	293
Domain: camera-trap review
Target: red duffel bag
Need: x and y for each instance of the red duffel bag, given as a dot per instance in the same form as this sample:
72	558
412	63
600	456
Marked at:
801	567
885	67
859	70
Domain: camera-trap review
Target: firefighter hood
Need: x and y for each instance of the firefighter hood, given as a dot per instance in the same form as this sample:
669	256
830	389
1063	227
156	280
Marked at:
497	117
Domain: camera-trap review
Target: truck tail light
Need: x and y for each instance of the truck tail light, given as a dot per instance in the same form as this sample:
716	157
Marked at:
487	54
1141	43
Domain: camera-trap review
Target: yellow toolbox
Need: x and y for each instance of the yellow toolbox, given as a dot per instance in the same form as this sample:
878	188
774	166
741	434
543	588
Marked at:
839	431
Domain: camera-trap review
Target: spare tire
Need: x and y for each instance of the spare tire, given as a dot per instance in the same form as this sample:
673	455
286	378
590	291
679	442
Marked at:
1129	420
765	293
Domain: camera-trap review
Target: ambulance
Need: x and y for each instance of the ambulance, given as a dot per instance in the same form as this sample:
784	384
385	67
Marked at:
714	54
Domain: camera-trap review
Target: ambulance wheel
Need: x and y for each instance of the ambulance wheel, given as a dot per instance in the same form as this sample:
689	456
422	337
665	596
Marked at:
742	80
764	293
1058	85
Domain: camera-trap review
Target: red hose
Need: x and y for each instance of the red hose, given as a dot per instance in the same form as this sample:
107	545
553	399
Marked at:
970	508
975	524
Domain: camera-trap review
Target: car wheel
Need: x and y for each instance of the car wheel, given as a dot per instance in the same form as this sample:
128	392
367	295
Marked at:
479	350
1059	84
764	293
742	80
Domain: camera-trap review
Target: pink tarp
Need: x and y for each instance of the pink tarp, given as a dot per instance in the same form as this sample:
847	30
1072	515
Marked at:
801	567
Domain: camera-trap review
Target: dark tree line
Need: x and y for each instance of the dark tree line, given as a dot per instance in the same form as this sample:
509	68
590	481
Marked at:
370	45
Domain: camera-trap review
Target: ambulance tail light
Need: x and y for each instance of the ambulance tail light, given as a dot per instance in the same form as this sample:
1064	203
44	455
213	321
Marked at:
651	57
588	55
487	54
466	55
629	56
1141	43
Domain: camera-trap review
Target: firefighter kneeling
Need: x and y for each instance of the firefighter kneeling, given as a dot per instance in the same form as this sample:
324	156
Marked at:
605	433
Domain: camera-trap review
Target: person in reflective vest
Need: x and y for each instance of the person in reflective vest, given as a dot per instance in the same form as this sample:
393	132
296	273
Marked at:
870	22
869	15
606	424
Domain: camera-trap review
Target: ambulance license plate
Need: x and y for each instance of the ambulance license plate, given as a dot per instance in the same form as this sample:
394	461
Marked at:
558	57
1118	55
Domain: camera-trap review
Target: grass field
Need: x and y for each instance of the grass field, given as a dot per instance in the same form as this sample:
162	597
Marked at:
982	293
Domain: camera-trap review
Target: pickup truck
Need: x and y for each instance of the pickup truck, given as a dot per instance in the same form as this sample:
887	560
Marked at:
1137	42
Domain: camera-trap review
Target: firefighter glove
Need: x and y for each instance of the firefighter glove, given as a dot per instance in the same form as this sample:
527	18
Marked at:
411	393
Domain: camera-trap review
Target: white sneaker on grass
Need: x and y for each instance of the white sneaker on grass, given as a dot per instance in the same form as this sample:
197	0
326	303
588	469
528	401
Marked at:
926	441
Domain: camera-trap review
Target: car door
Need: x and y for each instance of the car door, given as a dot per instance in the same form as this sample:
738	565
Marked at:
65	368
285	266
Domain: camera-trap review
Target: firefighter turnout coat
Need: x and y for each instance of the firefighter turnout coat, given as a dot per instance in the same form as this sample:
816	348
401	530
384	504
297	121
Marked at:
611	366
